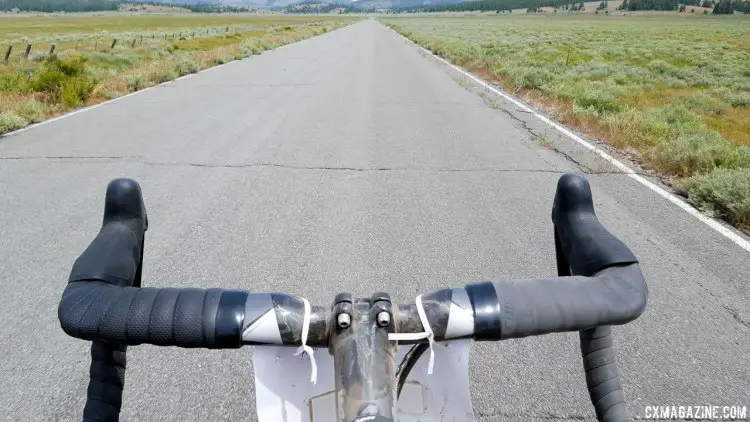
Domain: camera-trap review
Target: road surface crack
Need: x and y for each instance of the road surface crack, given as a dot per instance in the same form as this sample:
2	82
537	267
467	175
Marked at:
138	160
736	315
525	126
357	169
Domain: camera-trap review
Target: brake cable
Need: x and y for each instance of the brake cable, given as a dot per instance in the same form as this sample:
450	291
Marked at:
411	358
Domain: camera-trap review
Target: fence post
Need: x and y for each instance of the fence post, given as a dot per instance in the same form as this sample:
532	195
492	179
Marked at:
52	49
141	39
114	42
26	53
96	44
133	46
7	54
227	29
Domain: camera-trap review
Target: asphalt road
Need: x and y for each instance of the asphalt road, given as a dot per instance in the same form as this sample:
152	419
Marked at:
347	162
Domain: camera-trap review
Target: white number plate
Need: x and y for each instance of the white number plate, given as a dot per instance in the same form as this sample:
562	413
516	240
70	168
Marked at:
283	390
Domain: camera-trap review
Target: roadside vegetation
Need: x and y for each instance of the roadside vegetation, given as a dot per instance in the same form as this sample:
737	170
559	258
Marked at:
74	6
717	7
88	66
673	92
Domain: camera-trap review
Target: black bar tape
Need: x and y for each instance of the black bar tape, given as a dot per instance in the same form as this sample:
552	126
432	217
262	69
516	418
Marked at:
588	246
107	380
602	378
169	317
523	308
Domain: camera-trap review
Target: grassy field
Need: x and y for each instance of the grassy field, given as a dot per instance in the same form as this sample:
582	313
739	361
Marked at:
671	90
150	49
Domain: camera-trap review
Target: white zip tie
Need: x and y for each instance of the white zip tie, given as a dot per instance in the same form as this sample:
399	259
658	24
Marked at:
305	348
428	334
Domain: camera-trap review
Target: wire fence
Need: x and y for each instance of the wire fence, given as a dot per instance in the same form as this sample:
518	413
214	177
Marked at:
15	51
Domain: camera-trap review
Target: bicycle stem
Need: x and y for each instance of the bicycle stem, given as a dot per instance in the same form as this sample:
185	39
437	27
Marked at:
364	361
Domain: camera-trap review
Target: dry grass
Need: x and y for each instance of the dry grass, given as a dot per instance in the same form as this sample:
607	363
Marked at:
90	71
671	90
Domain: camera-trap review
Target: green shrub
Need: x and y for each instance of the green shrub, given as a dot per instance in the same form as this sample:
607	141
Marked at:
76	91
673	82
660	66
186	67
600	100
531	78
15	82
699	152
136	83
740	99
694	78
65	78
110	93
594	71
677	116
162	75
48	80
38	57
11	121
722	92
31	110
654	128
110	61
705	104
72	66
722	193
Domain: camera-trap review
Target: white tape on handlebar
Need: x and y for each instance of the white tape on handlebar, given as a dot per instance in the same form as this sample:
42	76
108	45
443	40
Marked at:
428	334
305	348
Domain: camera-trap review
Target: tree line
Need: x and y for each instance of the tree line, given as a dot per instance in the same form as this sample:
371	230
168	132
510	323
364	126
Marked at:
196	7
72	6
318	7
50	6
727	7
531	6
722	7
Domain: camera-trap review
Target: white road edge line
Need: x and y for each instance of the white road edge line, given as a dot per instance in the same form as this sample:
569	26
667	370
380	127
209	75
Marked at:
726	232
91	107
110	101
